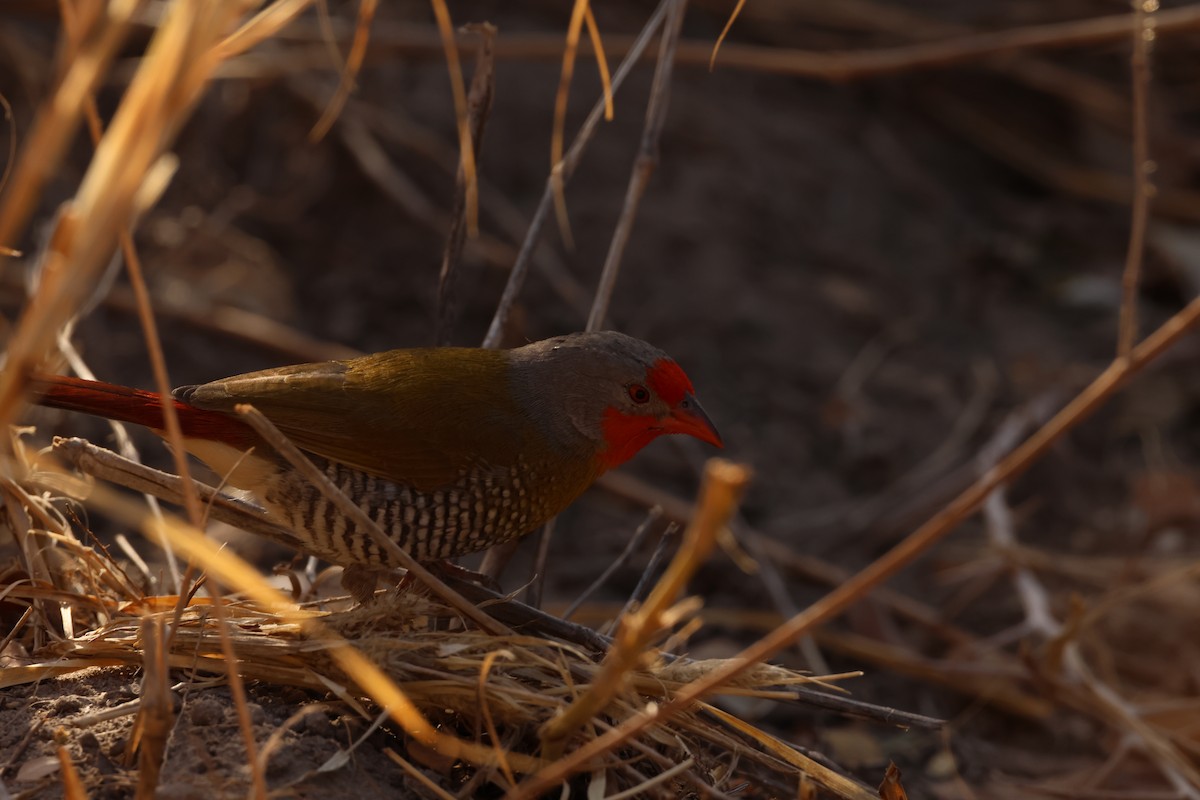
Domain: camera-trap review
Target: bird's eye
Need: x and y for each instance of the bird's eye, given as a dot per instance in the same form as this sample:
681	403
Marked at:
639	394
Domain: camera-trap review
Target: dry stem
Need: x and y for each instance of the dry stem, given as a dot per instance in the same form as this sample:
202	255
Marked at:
562	173
643	168
834	66
479	108
724	483
1143	31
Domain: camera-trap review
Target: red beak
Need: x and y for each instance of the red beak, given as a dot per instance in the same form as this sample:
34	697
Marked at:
688	417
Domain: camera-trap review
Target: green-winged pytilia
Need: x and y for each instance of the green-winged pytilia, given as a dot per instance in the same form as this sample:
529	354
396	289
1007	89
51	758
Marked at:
450	450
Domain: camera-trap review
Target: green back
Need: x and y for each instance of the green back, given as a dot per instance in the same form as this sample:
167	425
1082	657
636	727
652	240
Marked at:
417	417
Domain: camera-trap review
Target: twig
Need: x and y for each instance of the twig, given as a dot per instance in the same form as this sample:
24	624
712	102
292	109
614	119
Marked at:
1033	596
1089	93
643	584
1175	766
643	168
527	618
1143	33
777	590
516	278
1000	686
733	15
154	711
724	483
73	788
630	547
158	363
1105	702
467	149
113	468
561	95
834	66
1024	456
809	767
537	583
479	108
349	70
641	789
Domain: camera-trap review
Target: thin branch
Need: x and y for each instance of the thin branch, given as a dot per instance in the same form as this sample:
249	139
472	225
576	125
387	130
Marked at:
113	468
777	589
724	483
516	278
155	714
467	149
630	547
834	66
737	10
574	28
642	587
647	160
479	108
537	583
1143	35
349	70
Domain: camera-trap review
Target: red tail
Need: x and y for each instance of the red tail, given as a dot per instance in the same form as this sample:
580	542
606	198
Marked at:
140	407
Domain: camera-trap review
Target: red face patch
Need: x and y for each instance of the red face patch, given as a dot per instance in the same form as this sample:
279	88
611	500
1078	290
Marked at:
668	381
625	435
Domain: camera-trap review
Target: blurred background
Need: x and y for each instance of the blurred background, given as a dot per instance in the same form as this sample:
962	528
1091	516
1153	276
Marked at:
879	272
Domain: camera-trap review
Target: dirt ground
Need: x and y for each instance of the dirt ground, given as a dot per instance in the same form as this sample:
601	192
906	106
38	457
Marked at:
868	282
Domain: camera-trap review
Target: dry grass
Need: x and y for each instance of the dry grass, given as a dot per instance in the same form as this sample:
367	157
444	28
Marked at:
529	710
481	698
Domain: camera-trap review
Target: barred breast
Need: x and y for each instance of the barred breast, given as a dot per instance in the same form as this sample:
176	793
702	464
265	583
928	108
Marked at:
485	507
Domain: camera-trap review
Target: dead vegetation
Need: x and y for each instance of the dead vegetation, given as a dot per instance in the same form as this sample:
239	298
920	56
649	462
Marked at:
483	694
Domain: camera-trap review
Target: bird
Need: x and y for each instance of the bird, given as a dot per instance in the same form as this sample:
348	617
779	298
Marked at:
450	450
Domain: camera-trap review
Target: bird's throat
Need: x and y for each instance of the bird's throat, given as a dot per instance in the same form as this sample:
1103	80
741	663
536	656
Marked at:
626	434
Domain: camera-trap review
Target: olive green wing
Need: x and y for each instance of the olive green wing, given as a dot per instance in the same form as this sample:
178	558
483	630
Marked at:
418	417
